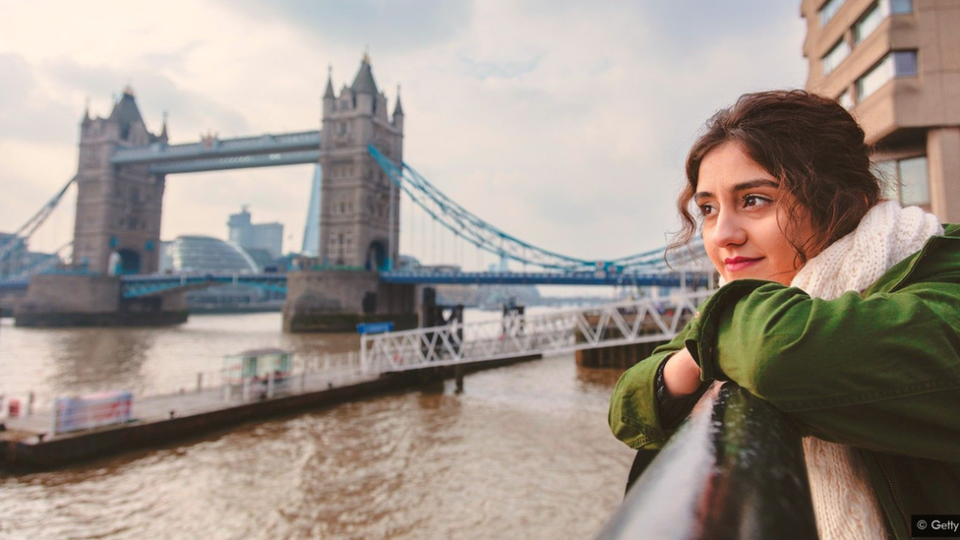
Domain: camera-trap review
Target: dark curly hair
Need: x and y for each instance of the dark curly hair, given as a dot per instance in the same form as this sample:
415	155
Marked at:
808	142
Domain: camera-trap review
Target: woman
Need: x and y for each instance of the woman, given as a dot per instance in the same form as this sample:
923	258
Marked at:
840	309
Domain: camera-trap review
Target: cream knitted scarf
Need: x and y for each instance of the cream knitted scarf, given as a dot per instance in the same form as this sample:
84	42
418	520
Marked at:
843	500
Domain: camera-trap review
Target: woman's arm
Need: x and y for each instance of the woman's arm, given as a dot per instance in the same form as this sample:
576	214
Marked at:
681	374
635	415
881	372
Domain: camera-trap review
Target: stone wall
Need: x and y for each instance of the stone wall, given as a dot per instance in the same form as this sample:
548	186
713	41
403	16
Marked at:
338	300
93	300
74	294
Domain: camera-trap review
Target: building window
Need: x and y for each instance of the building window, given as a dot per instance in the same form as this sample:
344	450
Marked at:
905	63
876	13
914	182
894	64
907	180
836	55
846	99
899	7
829	10
869	22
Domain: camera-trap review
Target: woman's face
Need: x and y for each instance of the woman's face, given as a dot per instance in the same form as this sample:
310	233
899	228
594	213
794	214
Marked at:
738	200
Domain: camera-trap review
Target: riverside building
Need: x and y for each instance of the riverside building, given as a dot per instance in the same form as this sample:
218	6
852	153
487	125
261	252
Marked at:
895	64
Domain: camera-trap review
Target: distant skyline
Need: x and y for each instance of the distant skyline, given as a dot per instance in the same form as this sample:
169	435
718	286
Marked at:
564	123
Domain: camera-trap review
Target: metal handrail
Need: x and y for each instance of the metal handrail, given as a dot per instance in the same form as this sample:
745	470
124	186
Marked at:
644	320
734	470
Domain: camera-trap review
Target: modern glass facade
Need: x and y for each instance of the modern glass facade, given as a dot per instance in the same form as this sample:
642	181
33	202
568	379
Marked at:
206	254
248	235
311	232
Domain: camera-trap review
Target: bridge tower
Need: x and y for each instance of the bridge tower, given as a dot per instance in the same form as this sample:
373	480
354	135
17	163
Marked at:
358	200
117	227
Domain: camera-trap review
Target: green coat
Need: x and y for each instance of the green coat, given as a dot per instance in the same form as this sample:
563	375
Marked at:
879	371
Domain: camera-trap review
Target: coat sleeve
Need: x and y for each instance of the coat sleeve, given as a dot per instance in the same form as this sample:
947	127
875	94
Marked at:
634	416
880	372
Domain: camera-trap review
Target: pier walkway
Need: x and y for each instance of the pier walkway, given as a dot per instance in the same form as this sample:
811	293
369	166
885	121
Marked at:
643	320
327	372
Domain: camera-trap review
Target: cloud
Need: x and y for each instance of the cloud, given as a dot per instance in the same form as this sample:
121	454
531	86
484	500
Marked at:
562	122
28	112
193	112
398	26
595	135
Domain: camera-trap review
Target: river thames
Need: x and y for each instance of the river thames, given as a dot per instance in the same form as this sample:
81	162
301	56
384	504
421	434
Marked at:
523	452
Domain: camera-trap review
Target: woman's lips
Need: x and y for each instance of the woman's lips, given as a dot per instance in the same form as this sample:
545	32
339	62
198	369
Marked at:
736	264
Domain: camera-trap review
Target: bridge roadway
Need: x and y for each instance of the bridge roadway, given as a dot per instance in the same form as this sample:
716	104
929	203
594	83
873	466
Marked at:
214	154
137	286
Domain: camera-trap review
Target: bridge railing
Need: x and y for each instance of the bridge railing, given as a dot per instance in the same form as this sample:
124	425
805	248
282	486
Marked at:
196	392
148	285
156	152
734	470
622	323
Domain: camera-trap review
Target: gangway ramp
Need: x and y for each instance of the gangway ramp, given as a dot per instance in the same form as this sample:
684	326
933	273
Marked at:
628	322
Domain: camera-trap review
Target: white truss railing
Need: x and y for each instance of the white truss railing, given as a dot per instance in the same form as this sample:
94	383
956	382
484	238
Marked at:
622	323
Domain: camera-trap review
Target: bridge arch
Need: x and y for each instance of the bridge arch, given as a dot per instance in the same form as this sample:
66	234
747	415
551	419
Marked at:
376	258
125	262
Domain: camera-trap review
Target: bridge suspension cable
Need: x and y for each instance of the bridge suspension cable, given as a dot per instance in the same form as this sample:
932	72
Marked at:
486	237
21	235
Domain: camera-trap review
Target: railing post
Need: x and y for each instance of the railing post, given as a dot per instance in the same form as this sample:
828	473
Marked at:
734	470
270	384
364	356
199	382
246	389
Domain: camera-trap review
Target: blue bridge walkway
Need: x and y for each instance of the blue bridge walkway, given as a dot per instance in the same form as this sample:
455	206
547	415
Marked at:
137	286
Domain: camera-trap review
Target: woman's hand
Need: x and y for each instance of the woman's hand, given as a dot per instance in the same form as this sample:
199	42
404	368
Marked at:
681	375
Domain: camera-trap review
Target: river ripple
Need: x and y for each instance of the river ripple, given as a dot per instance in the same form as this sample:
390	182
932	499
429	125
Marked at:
523	452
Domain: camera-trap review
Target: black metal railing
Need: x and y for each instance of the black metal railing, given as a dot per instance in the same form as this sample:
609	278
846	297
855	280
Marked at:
734	470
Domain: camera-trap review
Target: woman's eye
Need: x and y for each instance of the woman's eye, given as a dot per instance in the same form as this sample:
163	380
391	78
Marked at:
706	209
754	200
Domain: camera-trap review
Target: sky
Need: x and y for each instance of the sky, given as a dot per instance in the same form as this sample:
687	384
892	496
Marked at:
565	123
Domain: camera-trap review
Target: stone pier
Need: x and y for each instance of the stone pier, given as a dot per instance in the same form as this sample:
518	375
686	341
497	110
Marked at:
93	300
9	300
339	300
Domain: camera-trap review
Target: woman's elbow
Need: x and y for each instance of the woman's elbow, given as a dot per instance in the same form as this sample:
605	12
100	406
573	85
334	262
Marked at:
765	377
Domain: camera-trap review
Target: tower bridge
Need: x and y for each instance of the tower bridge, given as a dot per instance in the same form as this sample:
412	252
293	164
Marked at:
121	177
123	169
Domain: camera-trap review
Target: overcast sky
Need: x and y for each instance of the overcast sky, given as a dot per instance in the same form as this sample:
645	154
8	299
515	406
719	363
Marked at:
565	123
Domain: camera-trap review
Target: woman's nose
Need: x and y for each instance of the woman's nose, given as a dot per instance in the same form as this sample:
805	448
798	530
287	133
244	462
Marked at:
729	230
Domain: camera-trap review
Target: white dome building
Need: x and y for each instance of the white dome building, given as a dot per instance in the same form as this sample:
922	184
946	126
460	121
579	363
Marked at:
207	255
